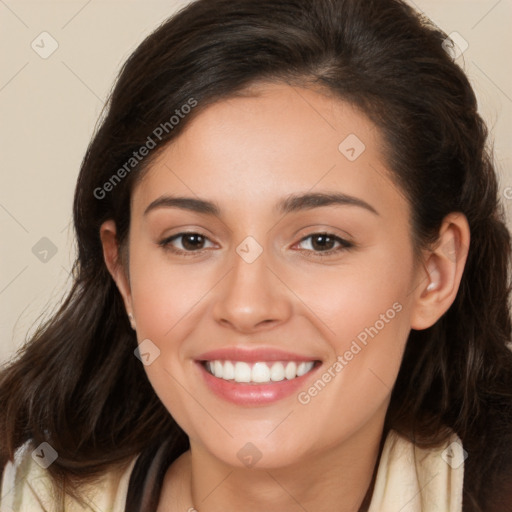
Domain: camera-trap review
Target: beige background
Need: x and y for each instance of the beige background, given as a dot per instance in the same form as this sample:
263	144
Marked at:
49	107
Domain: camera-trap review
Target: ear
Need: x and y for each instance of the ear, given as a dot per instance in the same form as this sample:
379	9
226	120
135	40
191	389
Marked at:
441	272
115	266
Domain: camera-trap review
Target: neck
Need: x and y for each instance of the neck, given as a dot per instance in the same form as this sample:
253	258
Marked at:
338	479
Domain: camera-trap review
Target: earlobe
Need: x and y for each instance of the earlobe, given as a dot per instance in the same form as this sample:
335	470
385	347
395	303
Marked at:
132	320
114	264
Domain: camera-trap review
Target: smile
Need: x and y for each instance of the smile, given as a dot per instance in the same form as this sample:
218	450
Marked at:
255	376
259	372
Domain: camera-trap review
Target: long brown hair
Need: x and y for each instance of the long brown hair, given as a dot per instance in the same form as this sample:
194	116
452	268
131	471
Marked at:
76	383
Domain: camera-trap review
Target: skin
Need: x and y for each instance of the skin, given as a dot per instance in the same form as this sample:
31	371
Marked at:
246	154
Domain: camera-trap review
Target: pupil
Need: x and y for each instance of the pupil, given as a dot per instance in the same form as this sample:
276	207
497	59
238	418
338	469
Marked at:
192	241
322	242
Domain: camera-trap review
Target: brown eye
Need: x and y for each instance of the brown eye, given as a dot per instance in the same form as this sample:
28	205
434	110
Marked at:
324	243
192	241
185	242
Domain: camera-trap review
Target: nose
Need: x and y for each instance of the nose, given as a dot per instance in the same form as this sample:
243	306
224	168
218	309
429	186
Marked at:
252	297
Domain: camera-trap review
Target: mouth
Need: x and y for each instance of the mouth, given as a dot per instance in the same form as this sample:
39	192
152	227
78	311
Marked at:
255	377
258	372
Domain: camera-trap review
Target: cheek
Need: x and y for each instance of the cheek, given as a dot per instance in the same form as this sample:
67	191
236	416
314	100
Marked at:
349	298
357	381
363	314
168	301
164	294
162	299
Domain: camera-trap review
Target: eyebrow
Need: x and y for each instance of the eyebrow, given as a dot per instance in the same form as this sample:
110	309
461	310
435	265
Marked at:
293	203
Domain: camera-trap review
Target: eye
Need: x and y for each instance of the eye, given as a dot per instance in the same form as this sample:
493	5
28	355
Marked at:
324	244
188	243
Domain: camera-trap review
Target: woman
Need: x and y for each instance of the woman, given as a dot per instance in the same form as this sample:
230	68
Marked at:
291	290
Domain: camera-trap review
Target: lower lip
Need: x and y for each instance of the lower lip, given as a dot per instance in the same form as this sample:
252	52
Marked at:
254	394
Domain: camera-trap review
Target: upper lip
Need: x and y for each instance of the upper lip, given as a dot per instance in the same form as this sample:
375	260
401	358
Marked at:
252	355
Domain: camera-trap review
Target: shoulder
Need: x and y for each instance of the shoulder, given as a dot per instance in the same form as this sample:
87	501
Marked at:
411	477
26	485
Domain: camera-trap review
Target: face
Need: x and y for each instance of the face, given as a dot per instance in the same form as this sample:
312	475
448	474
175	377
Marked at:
267	241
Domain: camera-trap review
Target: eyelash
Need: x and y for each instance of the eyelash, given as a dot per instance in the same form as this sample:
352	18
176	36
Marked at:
344	244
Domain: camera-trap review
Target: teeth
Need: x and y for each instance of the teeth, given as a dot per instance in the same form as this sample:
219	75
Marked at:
242	372
302	369
228	371
290	371
277	372
260	372
218	368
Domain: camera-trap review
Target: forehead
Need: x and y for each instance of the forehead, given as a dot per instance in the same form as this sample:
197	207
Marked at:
272	141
